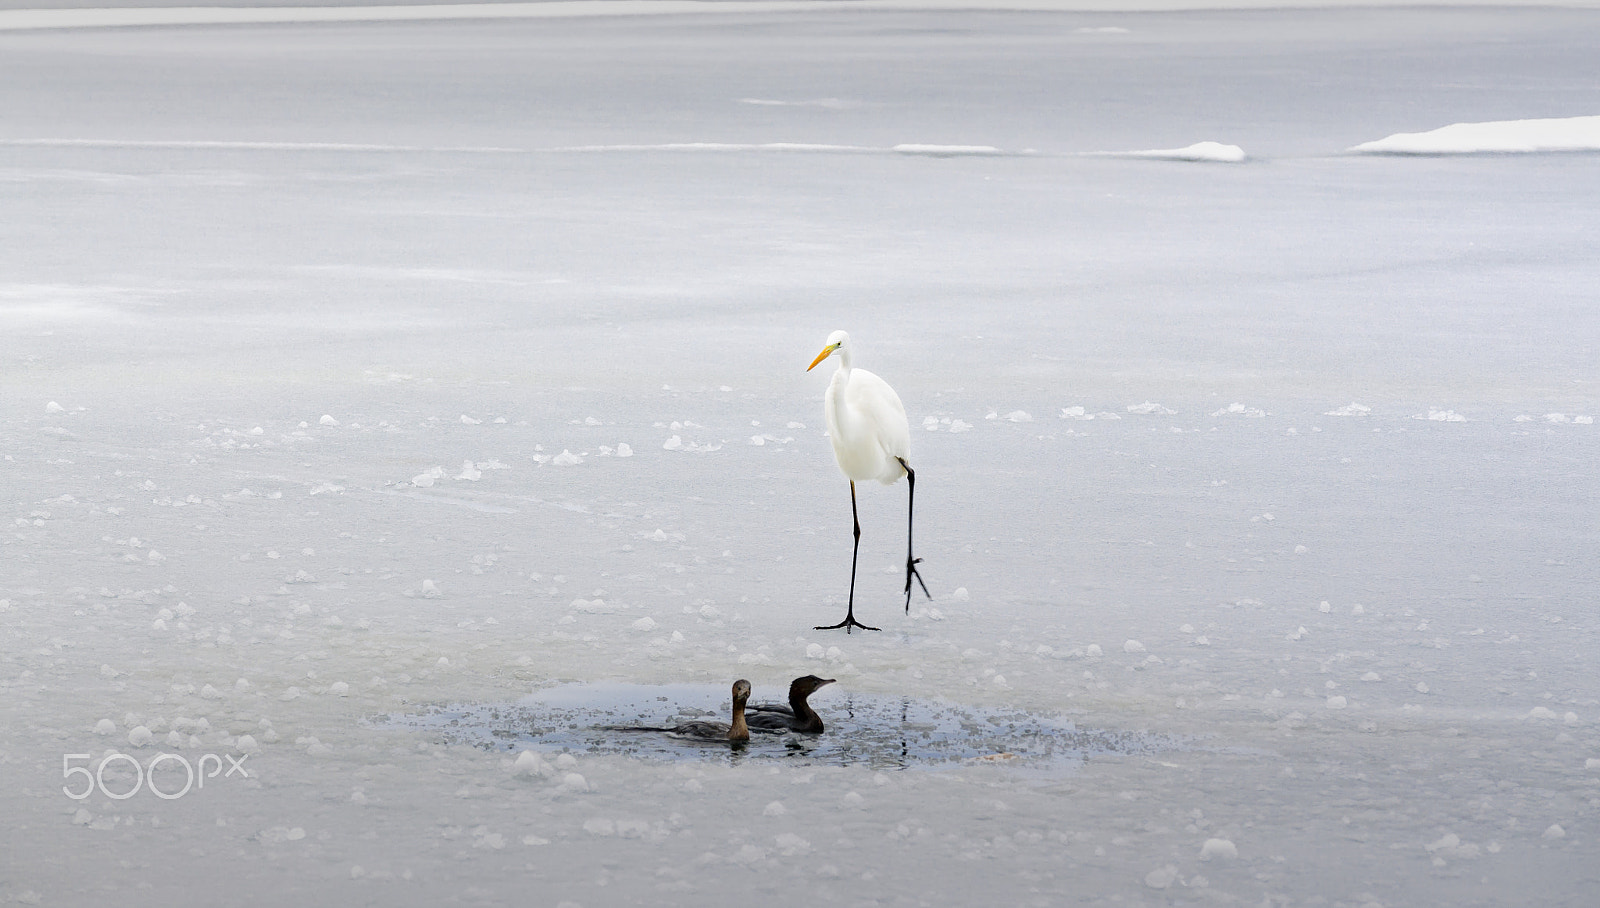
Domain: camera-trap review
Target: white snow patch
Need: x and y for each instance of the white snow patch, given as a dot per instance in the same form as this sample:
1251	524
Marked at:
1151	409
1493	137
1208	152
1441	416
1350	409
1218	848
946	151
1238	409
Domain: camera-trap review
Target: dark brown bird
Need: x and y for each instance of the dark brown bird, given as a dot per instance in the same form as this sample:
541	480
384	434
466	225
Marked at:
797	716
738	732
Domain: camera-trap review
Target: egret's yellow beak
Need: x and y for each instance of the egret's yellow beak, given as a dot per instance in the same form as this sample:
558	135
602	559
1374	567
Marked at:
822	356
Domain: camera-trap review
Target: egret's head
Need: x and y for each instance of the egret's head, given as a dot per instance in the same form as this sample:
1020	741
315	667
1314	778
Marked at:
838	342
741	690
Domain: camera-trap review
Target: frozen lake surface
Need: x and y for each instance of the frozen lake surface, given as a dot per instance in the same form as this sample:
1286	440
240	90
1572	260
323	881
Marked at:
364	377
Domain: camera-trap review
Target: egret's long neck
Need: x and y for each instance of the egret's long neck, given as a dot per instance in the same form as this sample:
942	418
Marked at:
836	399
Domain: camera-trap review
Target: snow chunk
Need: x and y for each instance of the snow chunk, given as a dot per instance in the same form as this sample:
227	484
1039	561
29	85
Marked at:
529	763
107	727
246	744
1441	416
1218	848
328	420
567	459
1162	878
1351	409
1150	409
1241	410
1210	152
1555	832
140	736
469	473
623	450
53	407
1337	703
1493	137
774	809
1132	646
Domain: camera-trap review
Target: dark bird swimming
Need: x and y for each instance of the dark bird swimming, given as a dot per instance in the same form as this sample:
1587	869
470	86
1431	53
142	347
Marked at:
798	716
737	732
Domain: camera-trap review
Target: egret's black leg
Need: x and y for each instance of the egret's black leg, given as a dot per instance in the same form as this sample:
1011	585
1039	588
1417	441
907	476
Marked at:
850	611
911	510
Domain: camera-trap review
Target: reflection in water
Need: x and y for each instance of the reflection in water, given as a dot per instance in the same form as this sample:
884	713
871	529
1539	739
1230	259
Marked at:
862	730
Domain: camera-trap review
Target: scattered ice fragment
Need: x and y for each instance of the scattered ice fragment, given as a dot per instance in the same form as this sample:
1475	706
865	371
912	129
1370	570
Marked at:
1351	409
1371	676
1422	687
1447	844
1337	702
1324	607
567	458
339	688
469	472
469	421
672	444
645	624
1590	764
1150	409
53	407
1555	832
1540	712
574	782
1202	640
106	727
246	744
328	420
757	440
1161	878
1441	416
1218	848
1132	646
140	736
623	450
529	763
1241	410
774	809
960	594
1093	651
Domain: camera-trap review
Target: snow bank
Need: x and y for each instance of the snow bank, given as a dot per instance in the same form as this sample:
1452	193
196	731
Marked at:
1496	137
1211	152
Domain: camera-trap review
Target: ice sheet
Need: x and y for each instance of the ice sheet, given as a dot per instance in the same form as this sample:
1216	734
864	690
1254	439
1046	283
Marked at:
377	369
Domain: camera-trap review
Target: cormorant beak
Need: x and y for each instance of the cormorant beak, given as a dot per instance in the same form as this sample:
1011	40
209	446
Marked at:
822	356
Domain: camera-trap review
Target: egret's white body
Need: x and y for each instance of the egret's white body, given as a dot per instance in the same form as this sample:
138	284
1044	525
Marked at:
866	421
871	440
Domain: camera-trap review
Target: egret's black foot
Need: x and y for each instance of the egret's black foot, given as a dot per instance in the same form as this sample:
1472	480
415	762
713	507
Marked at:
848	622
911	571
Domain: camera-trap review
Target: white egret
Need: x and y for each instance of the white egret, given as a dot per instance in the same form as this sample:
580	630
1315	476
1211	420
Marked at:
871	440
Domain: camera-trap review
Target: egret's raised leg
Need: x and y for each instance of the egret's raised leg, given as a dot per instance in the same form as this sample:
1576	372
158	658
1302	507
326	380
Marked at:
911	510
850	611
